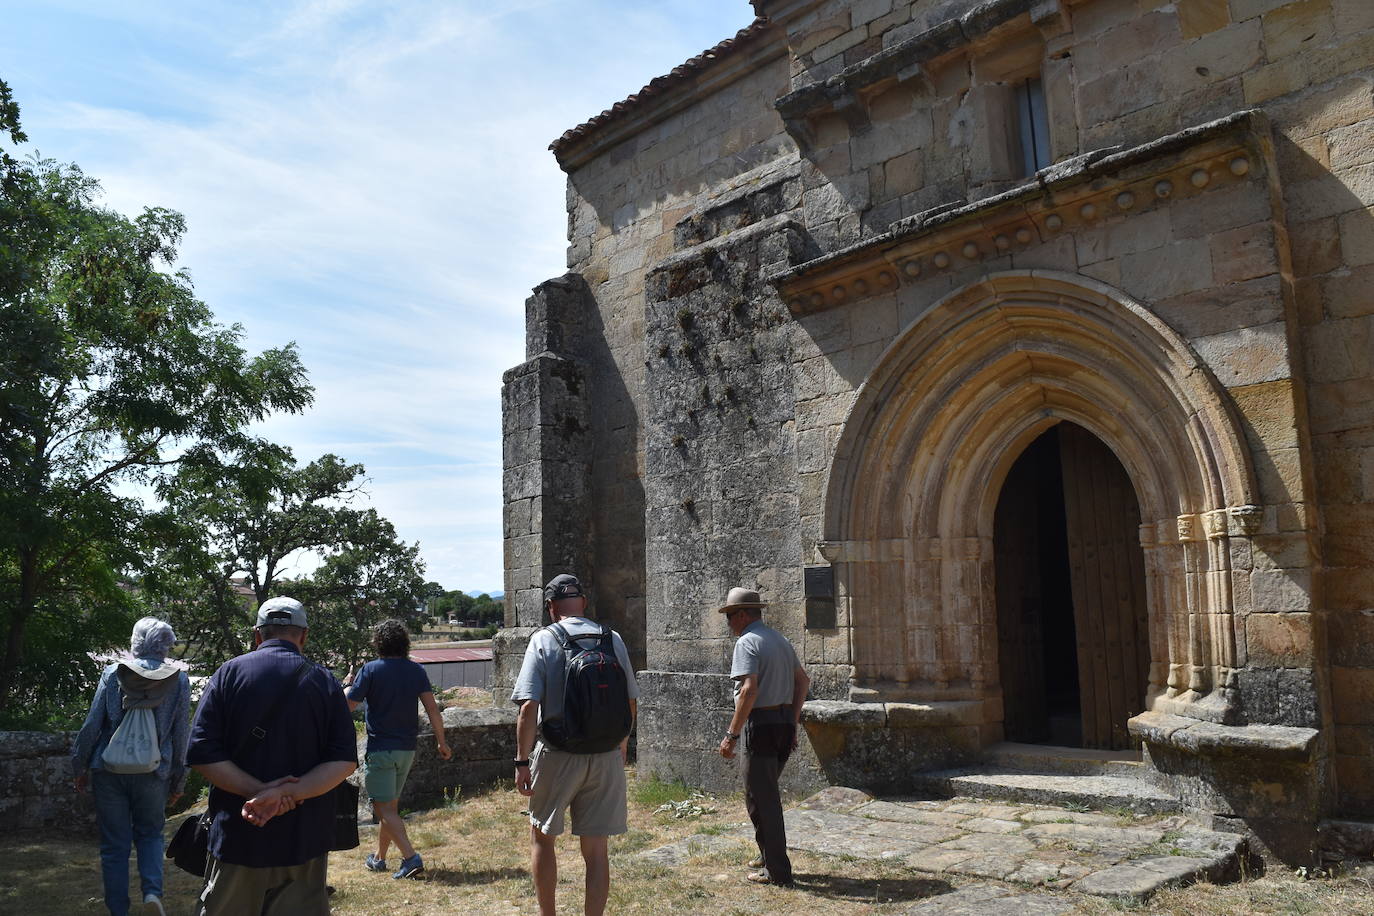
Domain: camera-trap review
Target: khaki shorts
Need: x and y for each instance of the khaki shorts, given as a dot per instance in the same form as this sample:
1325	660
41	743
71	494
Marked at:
593	785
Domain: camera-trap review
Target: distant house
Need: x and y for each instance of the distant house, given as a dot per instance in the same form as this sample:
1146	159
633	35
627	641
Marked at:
466	666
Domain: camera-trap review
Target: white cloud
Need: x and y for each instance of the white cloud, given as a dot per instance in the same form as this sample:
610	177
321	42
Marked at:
371	180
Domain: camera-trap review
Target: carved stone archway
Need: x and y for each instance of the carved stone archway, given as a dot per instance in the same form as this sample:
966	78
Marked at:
912	493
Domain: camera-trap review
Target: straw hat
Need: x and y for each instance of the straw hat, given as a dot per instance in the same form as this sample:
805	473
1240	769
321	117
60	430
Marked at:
741	597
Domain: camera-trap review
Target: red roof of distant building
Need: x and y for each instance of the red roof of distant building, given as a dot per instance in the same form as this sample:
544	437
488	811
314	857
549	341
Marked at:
434	656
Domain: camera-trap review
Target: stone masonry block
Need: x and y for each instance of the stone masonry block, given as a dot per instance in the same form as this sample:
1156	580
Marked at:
1352	695
1150	32
1190	269
1280	640
1351	145
1357	236
1348	294
1296	27
1349	534
1280	590
1217	211
1316	246
1350	636
1248	9
1341	349
1244	253
1201	17
1247	356
1352	16
1144	232
1222	308
1322	111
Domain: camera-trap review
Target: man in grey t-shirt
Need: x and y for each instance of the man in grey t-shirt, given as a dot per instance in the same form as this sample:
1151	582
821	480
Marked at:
770	687
592	785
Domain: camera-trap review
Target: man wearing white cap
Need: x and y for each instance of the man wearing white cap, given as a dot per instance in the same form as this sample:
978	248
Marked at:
272	735
770	687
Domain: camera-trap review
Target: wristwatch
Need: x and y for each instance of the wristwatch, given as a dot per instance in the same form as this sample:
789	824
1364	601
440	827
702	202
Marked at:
730	737
522	763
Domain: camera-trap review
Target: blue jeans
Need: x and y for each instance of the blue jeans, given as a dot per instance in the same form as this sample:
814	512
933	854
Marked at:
130	809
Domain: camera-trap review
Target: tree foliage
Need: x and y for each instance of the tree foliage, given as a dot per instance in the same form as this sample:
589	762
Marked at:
481	609
248	517
367	577
114	373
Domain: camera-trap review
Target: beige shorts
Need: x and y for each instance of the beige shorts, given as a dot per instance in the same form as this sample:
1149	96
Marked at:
593	785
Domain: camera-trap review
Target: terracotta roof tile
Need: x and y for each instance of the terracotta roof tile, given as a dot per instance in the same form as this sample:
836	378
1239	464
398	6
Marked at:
658	85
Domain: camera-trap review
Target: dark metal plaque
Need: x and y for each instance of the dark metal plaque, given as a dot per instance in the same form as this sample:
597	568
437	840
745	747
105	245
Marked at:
818	582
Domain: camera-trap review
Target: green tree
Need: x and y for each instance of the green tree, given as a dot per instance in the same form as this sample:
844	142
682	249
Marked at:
367	576
249	514
114	372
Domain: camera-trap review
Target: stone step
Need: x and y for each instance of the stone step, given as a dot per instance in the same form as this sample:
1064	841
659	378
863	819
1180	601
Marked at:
1063	761
1101	793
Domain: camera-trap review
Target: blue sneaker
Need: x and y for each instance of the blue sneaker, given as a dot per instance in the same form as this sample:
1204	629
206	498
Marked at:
410	867
375	864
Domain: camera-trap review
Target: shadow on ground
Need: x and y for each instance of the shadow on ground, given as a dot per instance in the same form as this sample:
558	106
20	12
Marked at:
877	889
458	878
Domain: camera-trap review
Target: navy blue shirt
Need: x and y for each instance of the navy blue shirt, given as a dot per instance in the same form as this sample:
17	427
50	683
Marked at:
391	687
312	726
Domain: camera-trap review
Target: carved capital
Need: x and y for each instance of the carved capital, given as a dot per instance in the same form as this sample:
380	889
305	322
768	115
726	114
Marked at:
1245	519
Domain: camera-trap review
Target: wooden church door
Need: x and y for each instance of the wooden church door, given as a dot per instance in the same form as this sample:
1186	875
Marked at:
1072	627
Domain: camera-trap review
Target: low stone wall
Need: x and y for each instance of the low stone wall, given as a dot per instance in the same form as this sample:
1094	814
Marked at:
483	744
682	717
36	784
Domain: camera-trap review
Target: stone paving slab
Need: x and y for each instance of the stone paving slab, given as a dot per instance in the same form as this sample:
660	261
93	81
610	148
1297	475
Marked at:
992	900
701	844
1125	857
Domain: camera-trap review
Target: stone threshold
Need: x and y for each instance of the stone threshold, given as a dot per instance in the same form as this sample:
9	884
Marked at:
1039	855
1098	792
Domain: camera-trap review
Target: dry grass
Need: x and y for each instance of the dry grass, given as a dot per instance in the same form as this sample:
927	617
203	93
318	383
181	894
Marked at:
465	697
476	853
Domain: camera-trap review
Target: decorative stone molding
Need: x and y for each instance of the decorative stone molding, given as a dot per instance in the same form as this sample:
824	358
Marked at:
1067	197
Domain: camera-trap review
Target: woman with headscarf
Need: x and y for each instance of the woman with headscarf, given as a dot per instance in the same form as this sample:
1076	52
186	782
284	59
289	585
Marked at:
130	807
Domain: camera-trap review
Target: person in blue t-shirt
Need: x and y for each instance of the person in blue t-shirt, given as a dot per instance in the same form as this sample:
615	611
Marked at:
390	686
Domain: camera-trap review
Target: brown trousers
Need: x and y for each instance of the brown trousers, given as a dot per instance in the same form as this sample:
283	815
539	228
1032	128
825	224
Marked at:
767	745
241	890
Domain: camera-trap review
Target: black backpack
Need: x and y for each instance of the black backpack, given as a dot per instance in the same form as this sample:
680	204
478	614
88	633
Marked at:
596	697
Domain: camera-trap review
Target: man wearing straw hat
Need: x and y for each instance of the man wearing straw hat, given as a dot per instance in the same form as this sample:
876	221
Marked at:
770	687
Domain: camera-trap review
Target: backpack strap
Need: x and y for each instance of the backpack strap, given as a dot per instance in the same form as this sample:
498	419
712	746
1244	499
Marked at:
561	634
566	640
258	732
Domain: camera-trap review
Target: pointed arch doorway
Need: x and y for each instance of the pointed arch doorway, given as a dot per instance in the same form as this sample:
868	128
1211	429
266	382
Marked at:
1072	618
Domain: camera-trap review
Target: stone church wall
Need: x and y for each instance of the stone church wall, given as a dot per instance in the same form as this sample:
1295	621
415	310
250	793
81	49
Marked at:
716	375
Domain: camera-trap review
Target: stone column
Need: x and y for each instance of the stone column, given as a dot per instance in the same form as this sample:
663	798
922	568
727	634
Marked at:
546	464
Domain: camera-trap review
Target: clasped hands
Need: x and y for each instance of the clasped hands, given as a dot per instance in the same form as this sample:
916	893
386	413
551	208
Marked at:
274	798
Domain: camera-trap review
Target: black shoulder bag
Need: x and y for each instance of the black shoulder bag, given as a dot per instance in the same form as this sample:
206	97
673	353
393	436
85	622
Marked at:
189	847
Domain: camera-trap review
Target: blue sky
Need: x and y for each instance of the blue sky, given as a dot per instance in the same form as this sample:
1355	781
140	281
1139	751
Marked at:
367	178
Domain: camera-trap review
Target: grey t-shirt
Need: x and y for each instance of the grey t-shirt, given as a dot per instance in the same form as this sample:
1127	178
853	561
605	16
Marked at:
765	653
541	672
